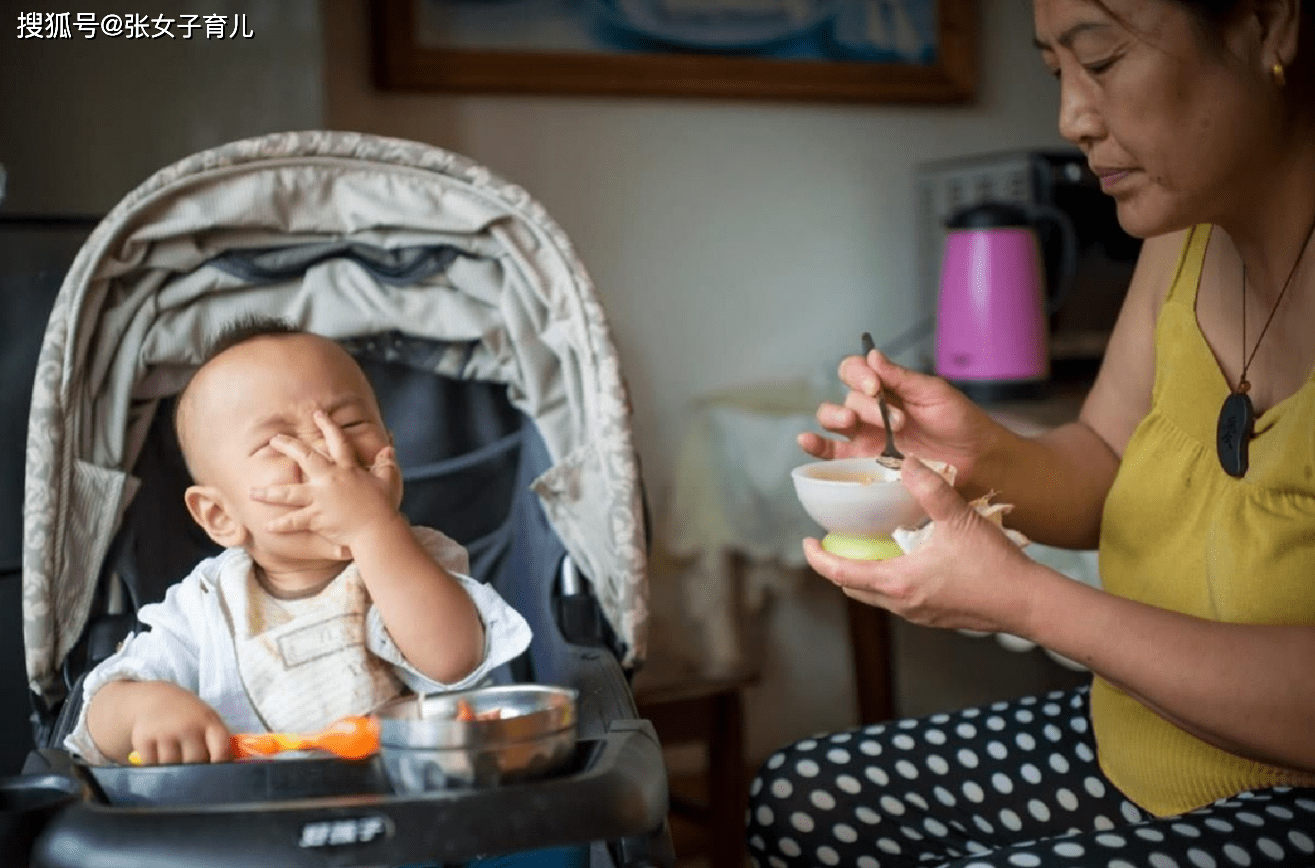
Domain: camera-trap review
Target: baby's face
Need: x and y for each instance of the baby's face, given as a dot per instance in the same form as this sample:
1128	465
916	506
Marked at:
268	386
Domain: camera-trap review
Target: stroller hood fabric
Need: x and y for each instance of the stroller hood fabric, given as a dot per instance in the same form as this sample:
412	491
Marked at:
456	270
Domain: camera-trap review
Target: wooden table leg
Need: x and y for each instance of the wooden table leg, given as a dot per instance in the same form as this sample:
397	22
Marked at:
869	634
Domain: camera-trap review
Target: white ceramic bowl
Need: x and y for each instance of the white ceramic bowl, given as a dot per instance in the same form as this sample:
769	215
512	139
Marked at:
855	497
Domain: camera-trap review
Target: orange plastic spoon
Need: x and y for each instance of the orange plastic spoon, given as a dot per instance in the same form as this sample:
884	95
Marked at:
354	737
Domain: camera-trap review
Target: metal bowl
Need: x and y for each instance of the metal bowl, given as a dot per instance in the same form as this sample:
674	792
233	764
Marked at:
425	746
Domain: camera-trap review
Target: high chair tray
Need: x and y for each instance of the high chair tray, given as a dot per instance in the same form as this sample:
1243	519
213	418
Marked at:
346	813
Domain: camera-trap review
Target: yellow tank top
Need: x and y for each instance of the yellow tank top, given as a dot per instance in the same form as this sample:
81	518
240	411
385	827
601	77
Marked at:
1181	534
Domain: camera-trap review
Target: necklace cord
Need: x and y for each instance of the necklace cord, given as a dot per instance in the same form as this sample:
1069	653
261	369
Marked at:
1243	386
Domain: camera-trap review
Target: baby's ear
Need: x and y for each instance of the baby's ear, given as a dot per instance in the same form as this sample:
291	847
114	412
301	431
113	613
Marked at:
207	508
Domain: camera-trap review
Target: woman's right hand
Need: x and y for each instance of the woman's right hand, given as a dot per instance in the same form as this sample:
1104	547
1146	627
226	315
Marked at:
930	418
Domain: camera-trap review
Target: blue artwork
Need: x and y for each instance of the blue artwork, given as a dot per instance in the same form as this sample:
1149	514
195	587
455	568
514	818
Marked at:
875	31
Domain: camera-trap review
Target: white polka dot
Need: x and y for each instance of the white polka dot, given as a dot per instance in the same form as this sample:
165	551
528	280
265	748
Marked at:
1050	709
1302	842
1250	819
1079	724
842	737
965	730
801	821
1058	763
888	845
983	824
1000	781
781	788
867	862
967	759
944	796
1219	825
1010	820
777	862
938	764
934	736
757	843
849	784
1025	741
1148	834
807	744
970	712
1095	786
1068	849
1270	848
776	760
1119	863
877	776
935	827
1279	811
916	801
1030	773
903	742
828	856
995	722
1025	860
1237	855
822	799
871	748
940	718
807	768
838	755
1186	830
765	815
867	815
1084	753
973	792
1067	800
1024	716
1200	858
892	806
845	833
1052	732
906	770
1111	841
911	833
1130	812
1305	804
756	787
997	750
1102	823
790	847
1038	809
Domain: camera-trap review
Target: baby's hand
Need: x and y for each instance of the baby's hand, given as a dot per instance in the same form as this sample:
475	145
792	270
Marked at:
173	725
339	498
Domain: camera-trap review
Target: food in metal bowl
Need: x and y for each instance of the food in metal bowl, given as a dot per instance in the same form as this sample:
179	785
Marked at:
476	738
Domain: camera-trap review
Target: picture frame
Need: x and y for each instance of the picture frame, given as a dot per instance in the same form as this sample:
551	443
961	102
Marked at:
405	61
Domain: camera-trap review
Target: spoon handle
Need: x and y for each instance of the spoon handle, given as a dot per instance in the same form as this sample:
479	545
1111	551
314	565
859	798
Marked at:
890	456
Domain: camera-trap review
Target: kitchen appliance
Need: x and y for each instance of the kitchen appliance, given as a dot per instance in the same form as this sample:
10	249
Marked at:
995	298
1104	258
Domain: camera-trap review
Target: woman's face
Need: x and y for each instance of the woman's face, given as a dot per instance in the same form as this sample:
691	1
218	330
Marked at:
1171	123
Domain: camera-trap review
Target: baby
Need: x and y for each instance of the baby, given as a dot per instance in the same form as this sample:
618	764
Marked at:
325	601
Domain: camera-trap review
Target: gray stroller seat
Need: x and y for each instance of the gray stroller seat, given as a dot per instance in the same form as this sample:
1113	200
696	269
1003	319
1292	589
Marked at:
479	329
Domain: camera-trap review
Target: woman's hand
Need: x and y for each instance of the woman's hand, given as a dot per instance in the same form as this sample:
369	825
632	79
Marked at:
968	575
929	416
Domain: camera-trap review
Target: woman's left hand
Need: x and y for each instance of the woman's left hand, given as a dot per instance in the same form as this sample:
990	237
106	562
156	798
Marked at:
967	575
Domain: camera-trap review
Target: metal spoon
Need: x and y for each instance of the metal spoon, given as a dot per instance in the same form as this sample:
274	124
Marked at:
890	456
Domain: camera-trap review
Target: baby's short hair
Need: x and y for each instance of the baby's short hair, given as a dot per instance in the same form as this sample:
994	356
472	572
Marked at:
234	334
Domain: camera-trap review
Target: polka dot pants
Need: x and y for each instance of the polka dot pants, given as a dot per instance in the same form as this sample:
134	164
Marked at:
1012	784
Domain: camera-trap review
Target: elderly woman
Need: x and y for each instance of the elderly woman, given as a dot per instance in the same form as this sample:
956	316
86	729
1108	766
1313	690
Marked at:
1192	466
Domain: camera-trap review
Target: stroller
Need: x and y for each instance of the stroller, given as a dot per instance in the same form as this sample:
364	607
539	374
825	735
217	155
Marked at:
479	329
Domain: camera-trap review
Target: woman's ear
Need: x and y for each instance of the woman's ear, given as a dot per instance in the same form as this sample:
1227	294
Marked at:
207	507
1280	31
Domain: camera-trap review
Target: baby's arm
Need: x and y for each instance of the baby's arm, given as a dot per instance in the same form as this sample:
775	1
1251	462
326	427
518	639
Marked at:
426	610
144	697
162	722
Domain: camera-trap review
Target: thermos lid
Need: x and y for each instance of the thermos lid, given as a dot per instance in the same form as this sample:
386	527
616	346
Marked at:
989	215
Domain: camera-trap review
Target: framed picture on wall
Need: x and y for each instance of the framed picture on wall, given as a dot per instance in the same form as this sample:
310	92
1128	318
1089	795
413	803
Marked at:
903	51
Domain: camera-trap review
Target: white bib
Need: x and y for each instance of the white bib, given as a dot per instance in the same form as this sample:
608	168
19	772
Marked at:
305	663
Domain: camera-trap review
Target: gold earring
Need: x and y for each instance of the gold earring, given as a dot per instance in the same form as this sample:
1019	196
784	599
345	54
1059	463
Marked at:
1279	78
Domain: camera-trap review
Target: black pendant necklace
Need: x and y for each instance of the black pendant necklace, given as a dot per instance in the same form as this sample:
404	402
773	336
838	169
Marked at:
1237	418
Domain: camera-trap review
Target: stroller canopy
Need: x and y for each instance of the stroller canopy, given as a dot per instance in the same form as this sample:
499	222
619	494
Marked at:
398	243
